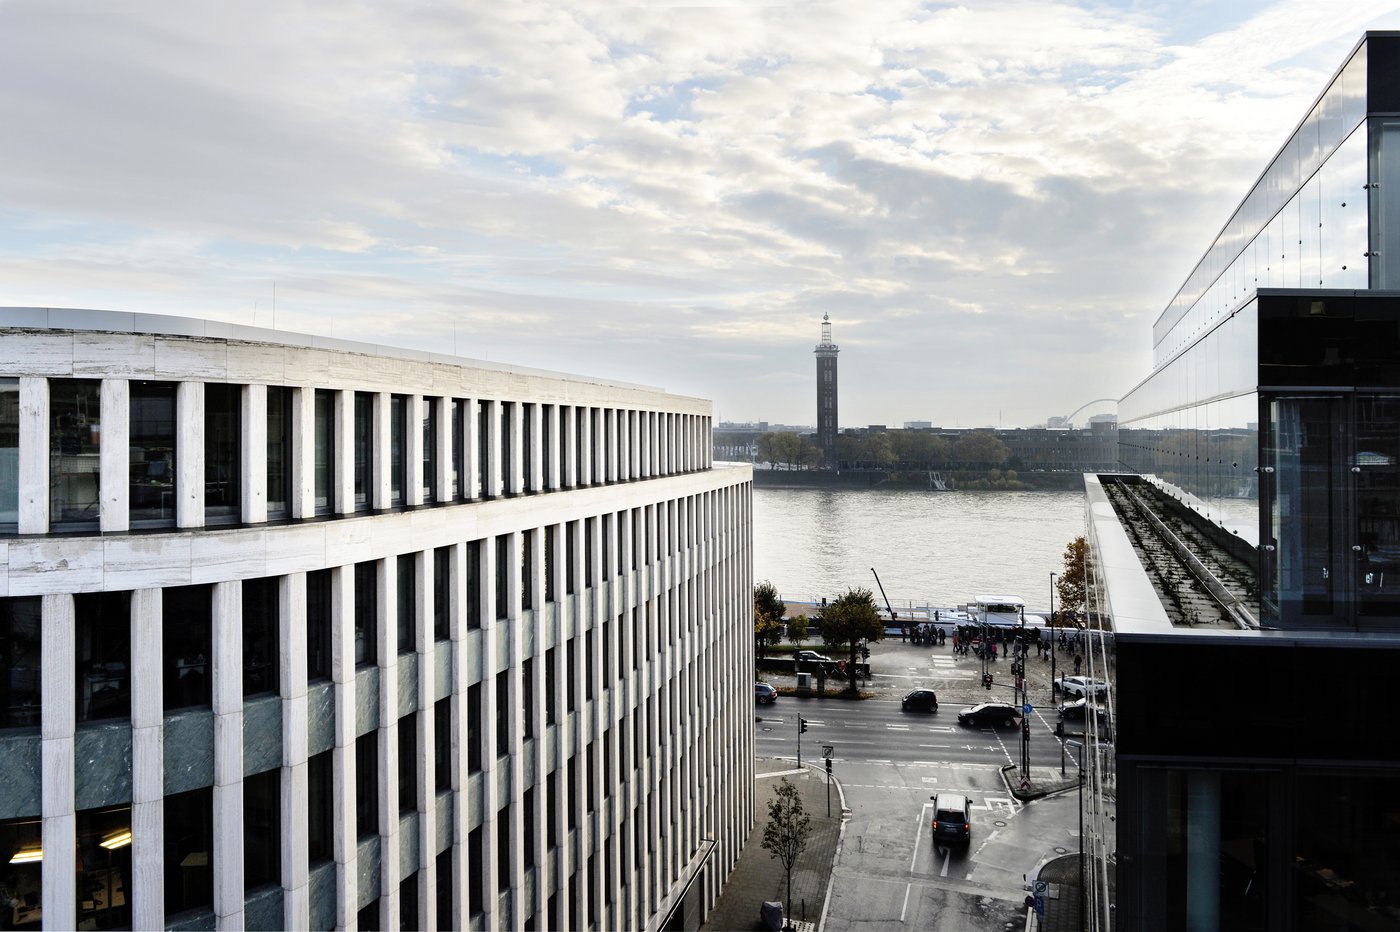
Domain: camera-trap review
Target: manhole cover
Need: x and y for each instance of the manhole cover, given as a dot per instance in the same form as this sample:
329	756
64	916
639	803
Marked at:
1059	850
999	823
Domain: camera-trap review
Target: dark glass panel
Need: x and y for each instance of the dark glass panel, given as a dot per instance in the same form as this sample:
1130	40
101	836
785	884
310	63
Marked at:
366	612
324	464
103	652
364	451
279	452
189	852
223	431
75	432
20	655
9	454
261	612
104	868
152	444
318	625
262	824
186	631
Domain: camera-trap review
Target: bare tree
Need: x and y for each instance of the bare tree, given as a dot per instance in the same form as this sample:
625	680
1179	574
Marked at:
785	835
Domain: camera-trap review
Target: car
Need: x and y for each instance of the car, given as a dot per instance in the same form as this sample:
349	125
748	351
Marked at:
763	694
811	655
952	818
920	700
1076	716
1082	686
990	713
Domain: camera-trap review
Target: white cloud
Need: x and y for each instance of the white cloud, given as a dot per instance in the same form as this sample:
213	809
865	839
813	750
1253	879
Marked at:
673	193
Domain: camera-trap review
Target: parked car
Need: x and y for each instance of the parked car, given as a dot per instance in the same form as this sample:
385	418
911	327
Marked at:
920	700
1082	686
763	694
1075	718
810	659
952	818
990	713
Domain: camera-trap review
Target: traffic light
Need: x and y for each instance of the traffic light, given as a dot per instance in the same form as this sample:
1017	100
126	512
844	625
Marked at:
986	681
803	722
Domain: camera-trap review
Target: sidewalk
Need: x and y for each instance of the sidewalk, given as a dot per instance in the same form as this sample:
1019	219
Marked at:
758	876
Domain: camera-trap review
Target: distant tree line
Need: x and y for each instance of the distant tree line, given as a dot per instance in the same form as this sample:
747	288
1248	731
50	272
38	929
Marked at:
891	450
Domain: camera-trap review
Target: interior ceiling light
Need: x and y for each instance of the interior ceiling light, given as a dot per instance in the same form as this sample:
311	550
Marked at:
28	855
118	839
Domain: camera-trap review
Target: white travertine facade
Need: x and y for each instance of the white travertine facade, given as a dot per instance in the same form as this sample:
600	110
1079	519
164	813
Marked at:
337	634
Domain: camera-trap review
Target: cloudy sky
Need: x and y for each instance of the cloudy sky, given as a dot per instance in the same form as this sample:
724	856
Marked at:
993	200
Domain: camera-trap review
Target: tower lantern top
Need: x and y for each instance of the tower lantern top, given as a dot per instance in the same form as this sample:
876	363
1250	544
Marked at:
826	345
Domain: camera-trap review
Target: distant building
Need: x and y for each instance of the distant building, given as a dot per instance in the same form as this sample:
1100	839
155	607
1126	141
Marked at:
1249	565
827	419
918	425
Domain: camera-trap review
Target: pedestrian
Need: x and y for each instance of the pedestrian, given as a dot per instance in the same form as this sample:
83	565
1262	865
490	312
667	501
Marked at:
955	642
1078	661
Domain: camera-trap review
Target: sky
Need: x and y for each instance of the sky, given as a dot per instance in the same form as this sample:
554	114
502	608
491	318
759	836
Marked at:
993	201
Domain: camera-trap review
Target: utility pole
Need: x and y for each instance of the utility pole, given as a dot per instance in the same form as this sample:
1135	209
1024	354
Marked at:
1052	638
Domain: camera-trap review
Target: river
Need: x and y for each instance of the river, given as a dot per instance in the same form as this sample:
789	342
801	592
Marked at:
937	548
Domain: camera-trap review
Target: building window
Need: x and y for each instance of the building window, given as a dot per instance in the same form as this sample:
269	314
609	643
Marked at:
430	432
527	446
407	601
442	745
459	449
570	548
22	850
104	868
502	714
20	626
261	610
527	834
318	625
262	825
547	415
507	478
152	445
571	673
549	592
527	569
483	447
503	863
324	471
364	451
320	817
279	452
474	584
442	593
475	854
367	919
444	891
588	661
502	575
223	428
103	652
588	552
75	432
367	784
187	646
550	671
366	612
474	735
408	763
9	455
189	856
398	448
408	902
527	698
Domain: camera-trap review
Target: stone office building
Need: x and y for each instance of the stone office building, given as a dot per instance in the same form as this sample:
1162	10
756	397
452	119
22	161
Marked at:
310	634
1251	565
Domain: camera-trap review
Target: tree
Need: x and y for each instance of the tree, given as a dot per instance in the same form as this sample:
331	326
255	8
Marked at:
847	620
785	835
797	630
980	448
1069	586
768	610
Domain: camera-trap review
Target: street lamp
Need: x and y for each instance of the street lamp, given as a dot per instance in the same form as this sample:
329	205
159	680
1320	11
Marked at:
1052	638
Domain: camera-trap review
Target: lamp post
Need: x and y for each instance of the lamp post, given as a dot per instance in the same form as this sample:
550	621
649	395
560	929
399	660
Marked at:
1052	638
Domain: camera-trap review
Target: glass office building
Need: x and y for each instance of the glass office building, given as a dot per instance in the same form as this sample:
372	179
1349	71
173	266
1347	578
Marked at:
1267	794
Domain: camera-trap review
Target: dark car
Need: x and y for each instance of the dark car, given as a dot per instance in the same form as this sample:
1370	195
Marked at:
952	818
764	694
920	700
1075	719
990	713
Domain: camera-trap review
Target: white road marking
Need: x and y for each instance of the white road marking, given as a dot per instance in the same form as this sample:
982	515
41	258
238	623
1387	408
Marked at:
907	887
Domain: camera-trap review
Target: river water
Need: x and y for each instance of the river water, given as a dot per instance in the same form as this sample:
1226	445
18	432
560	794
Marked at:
935	548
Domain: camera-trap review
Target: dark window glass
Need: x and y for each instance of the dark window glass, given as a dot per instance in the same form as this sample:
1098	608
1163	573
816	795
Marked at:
364	451
502	575
262	824
571	674
367	919
104	868
527	832
474	584
459	449
588	552
20	626
22	848
475	854
261	607
408	903
408	762
527	453
503	871
442	745
324	471
474	734
571	790
607	655
75	431
527	569
444	878
9	454
588	665
223	429
570	548
366	612
103	651
189	854
552	809
407	600
279	451
398	448
550	669
549	593
507	478
318	625
151	440
483	447
442	593
547	413
527	698
367	784
320	817
186	633
430	432
502	714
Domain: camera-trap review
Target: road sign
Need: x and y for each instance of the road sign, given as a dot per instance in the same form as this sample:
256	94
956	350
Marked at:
1026	709
827	749
1040	889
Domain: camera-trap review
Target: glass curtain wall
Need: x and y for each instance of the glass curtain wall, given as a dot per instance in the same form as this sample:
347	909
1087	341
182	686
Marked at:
151	438
75	435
